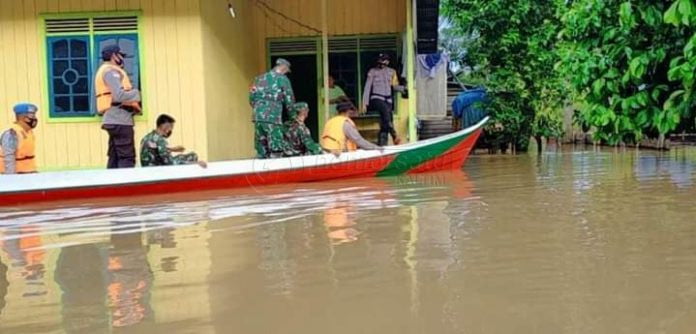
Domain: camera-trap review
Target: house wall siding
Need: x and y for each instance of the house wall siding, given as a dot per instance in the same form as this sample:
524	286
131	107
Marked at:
171	67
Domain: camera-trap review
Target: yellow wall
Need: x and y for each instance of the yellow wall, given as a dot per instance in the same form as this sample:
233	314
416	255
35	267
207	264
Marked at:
171	68
350	17
229	69
197	65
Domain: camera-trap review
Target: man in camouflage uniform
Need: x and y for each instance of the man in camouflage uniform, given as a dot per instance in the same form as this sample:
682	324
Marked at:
155	150
268	95
297	134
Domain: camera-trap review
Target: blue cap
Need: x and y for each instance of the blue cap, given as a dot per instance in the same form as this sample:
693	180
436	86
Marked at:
25	108
111	50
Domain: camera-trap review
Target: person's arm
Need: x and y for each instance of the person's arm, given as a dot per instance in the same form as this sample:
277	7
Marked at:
118	94
9	149
353	134
308	142
368	89
289	93
395	83
164	153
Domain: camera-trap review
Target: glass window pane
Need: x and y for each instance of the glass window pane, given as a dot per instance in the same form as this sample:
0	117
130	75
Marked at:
78	49
81	87
59	87
59	67
60	48
62	103
70	77
80	66
81	103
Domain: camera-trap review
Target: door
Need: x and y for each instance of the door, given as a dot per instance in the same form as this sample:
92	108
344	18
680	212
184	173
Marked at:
304	83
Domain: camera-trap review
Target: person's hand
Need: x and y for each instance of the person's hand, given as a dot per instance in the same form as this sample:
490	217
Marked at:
177	149
363	110
203	164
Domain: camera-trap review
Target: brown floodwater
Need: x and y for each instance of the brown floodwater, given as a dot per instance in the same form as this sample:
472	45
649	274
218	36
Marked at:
579	241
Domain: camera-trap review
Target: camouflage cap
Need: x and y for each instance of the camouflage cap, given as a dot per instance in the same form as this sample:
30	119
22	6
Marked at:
283	61
297	107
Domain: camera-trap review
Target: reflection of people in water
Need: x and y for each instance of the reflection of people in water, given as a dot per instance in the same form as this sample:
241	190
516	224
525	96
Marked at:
80	275
130	280
25	248
4	283
339	224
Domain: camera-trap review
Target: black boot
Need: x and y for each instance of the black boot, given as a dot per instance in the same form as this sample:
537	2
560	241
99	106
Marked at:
383	139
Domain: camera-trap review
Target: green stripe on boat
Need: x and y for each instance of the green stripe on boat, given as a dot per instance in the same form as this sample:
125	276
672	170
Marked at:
413	158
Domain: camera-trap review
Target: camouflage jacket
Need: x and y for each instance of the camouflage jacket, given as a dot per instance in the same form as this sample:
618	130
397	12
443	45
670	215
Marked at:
300	140
269	93
154	151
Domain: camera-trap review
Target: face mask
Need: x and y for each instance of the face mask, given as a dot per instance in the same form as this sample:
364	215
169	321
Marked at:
32	122
168	134
119	61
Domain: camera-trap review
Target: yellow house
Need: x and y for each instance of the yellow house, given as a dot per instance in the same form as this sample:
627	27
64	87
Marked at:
192	59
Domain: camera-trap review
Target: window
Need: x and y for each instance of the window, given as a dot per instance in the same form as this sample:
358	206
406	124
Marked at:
350	57
73	47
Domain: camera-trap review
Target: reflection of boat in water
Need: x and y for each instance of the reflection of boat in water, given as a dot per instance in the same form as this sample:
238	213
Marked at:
443	153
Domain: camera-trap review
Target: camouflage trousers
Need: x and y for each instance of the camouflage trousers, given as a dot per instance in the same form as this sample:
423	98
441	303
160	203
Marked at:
184	159
269	140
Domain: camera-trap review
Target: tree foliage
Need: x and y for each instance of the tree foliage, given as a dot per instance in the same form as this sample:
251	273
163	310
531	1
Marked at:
617	55
513	54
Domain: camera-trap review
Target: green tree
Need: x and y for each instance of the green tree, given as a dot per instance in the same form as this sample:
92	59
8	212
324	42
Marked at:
616	55
513	55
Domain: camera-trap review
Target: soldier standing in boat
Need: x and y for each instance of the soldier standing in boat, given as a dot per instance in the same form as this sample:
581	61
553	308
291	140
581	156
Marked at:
118	101
297	134
381	81
269	93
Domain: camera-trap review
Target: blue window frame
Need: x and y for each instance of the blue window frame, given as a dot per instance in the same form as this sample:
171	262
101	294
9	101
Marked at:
73	55
69	73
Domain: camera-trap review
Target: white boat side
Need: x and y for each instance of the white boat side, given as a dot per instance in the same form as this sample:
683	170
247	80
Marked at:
108	177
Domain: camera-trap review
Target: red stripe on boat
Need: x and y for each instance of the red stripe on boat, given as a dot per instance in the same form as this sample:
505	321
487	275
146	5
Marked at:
360	168
454	158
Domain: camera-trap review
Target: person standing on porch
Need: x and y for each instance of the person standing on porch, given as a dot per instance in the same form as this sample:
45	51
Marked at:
381	81
336	95
269	93
118	101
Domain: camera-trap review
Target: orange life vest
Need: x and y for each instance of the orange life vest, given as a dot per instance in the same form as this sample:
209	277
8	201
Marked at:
334	139
104	98
24	156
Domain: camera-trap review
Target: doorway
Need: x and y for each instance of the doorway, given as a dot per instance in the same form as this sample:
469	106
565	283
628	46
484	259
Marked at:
304	79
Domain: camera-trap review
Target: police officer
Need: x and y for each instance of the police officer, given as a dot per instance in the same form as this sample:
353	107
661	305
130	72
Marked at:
269	93
17	145
297	134
118	101
381	80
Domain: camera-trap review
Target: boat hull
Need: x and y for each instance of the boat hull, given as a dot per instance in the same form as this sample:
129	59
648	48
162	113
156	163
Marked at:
447	152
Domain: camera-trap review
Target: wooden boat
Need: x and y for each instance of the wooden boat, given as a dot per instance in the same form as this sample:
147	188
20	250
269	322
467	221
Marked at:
442	153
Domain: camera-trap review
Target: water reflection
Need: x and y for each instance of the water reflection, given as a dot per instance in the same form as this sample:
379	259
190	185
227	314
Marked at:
516	244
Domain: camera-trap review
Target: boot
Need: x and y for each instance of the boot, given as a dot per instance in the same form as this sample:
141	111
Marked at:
383	139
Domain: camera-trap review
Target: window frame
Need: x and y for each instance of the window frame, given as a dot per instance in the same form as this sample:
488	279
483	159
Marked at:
397	49
93	64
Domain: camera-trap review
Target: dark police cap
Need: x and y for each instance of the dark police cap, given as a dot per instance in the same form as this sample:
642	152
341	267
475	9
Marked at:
111	50
345	106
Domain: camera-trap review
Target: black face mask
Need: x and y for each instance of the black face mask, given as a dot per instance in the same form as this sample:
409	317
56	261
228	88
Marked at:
168	134
119	61
32	122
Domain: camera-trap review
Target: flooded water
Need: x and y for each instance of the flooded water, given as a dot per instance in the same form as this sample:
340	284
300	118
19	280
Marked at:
571	242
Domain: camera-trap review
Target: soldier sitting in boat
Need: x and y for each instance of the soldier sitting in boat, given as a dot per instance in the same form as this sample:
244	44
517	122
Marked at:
155	150
340	133
297	134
